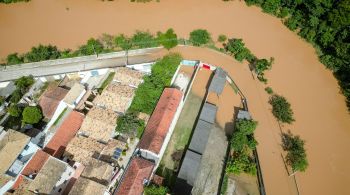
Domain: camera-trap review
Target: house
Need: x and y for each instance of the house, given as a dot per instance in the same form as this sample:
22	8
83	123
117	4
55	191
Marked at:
161	124
136	177
15	152
99	124
35	164
65	133
127	76
50	100
74	95
52	178
87	186
217	84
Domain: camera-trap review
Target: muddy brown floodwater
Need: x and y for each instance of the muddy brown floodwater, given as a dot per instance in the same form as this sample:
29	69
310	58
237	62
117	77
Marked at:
320	112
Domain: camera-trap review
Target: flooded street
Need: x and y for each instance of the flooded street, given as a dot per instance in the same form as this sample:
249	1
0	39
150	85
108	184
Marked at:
320	112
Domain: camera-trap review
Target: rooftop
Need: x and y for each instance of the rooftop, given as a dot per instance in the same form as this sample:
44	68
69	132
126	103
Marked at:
189	167
50	99
87	186
242	114
74	93
82	148
48	176
208	113
99	124
132	183
160	121
64	134
98	171
200	136
128	76
36	163
11	145
218	82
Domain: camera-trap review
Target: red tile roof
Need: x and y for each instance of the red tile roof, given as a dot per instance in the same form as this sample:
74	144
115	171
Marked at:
64	134
50	99
36	163
17	182
132	183
160	121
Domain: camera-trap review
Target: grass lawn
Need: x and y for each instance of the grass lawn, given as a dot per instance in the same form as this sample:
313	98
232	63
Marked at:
180	137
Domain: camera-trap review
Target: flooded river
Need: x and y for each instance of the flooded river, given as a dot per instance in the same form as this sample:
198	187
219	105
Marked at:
320	112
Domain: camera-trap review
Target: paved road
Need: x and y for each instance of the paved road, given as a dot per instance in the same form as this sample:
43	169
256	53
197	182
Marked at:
141	56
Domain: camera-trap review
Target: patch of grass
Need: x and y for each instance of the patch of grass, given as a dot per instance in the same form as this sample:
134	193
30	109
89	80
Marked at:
106	82
60	116
224	185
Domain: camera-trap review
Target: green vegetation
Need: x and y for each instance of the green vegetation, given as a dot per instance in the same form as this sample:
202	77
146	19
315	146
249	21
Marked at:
155	190
31	115
296	154
269	90
323	23
168	39
106	82
242	145
60	116
22	86
14	110
222	38
13	1
200	37
2	100
281	109
130	124
148	93
224	185
106	43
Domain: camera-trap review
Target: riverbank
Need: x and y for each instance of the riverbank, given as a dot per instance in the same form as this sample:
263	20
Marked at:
321	115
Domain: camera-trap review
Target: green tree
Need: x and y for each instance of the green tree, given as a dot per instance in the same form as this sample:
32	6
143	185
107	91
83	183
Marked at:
143	39
200	37
241	162
16	96
122	42
14	110
42	52
296	154
168	39
262	65
155	190
23	83
92	46
14	59
242	137
129	124
107	41
2	100
31	115
281	109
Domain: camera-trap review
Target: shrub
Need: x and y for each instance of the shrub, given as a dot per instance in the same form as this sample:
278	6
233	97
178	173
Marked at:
296	154
14	110
241	162
16	96
42	52
262	65
269	90
14	59
222	38
242	137
31	115
155	190
281	109
23	83
129	124
143	39
122	42
200	37
168	39
92	46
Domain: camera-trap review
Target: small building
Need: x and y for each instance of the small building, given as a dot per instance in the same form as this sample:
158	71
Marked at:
87	186
161	124
74	95
65	133
128	76
52	178
15	152
217	84
35	164
50	100
136	177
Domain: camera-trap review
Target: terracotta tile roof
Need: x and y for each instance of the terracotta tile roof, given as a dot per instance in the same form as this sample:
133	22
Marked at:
36	163
17	182
132	183
160	121
50	99
64	134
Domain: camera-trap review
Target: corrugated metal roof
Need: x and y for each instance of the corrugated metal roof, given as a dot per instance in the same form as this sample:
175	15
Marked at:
200	136
218	82
242	114
208	113
189	167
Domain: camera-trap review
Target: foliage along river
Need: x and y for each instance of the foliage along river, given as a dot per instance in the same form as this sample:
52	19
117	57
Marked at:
320	112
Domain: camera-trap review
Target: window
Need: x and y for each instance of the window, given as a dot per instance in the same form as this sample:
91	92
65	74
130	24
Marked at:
65	181
60	190
26	147
20	157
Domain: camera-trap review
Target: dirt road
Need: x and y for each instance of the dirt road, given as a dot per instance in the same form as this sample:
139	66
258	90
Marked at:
321	115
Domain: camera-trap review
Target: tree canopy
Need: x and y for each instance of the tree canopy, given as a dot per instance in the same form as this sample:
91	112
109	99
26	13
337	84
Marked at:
281	109
168	39
31	115
200	37
155	190
296	154
14	110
